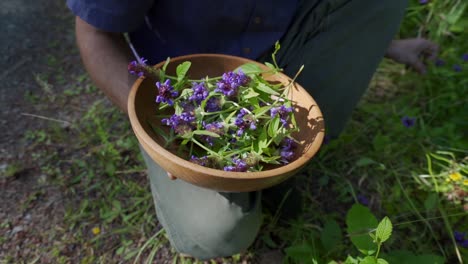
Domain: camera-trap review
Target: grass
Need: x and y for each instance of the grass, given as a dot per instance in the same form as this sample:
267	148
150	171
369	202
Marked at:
400	171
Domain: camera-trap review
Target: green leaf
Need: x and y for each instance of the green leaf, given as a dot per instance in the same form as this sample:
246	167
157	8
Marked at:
380	142
360	221
266	89
271	66
182	70
407	257
273	126
431	202
351	260
381	261
261	141
261	110
427	259
300	252
368	260
365	161
166	63
250	93
250	68
331	235
205	133
384	230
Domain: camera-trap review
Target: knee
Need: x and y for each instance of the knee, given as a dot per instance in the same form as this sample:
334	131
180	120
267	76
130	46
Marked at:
205	236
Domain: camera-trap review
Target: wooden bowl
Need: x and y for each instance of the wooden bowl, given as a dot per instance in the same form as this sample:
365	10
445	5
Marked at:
142	110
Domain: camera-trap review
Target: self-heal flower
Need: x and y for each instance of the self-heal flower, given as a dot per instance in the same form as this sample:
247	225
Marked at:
230	82
460	238
457	68
465	57
287	150
181	124
283	113
439	62
215	127
363	200
238	165
166	92
200	92
137	67
213	105
243	121
202	161
408	121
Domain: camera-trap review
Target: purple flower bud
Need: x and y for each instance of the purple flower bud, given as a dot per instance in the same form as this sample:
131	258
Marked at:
239	165
200	92
230	83
181	124
363	200
457	68
287	150
202	161
137	68
459	236
408	121
439	62
465	57
166	93
213	105
283	113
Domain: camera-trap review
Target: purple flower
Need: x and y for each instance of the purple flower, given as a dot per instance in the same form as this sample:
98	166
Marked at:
202	161
238	165
459	236
181	124
283	113
215	127
423	2
213	105
439	62
166	93
457	68
137	68
200	92
230	82
464	243
287	150
363	200
243	121
465	57
408	121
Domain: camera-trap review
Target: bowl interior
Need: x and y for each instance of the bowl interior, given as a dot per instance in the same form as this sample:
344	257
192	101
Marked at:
307	114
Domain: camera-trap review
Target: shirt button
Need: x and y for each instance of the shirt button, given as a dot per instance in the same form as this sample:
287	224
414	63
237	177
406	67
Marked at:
246	50
257	20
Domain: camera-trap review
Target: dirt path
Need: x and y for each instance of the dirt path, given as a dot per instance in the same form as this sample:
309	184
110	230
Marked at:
36	43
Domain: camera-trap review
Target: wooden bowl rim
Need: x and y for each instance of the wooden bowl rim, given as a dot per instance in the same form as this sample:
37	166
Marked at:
142	135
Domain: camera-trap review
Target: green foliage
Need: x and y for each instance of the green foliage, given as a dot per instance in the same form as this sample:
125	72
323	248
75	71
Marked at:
360	221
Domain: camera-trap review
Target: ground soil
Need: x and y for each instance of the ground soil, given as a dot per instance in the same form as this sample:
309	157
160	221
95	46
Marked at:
36	37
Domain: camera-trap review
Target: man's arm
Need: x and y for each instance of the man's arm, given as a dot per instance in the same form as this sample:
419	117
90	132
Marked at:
105	56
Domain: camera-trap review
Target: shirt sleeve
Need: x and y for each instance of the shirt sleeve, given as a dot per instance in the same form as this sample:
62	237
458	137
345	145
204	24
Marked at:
111	15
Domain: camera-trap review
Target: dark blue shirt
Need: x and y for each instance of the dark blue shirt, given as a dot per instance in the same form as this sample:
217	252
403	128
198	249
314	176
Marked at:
169	28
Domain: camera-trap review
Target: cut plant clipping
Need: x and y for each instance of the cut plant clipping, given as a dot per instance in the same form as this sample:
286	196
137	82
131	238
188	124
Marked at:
226	118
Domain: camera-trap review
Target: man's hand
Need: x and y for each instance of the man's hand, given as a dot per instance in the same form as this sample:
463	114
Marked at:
413	52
